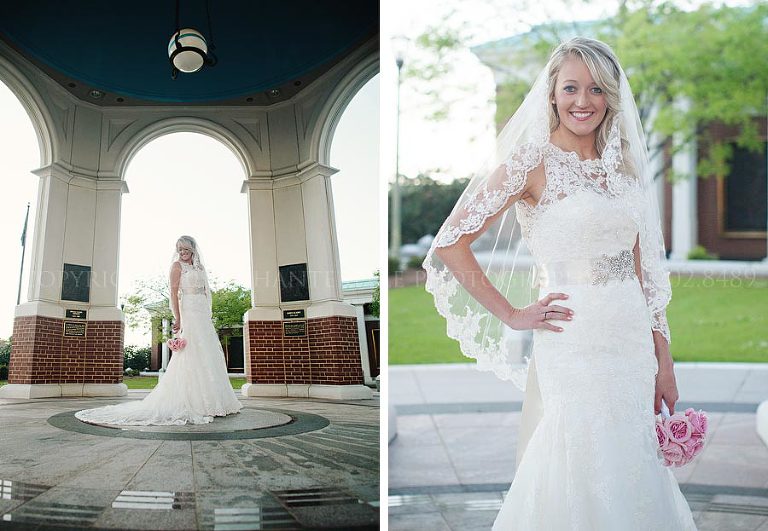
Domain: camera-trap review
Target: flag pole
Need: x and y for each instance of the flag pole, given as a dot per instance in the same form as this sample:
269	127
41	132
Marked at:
23	248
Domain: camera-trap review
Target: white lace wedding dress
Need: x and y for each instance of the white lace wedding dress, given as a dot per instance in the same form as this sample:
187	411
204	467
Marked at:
195	387
591	464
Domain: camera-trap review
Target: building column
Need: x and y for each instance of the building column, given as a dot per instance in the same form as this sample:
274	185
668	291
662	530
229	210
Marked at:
684	197
766	227
64	347
361	333
307	344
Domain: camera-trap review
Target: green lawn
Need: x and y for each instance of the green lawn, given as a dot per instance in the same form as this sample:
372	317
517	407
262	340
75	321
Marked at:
710	321
149	382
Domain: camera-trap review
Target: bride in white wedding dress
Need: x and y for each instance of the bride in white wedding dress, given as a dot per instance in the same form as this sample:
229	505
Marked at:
195	387
575	166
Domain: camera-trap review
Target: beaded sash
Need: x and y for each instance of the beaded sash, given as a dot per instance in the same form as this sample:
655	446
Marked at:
593	271
192	291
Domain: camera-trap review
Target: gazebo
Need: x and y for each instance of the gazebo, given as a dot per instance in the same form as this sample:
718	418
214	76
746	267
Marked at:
96	81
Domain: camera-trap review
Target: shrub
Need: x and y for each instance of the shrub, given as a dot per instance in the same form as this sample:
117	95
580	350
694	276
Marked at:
136	358
394	265
700	253
5	351
415	262
3	372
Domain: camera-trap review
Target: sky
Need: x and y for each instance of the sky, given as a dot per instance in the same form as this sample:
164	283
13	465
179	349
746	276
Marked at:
188	183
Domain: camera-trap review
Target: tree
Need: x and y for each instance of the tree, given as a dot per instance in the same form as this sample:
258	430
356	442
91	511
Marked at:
708	57
430	70
375	304
426	203
154	292
229	303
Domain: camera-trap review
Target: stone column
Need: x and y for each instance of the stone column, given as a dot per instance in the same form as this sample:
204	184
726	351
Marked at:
292	222
361	333
684	197
78	222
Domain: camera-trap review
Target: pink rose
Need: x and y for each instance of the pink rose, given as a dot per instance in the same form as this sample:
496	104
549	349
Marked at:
681	437
697	448
177	343
673	455
679	428
699	422
693	448
661	434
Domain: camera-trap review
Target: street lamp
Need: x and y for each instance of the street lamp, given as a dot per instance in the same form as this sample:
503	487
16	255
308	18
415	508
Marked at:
399	46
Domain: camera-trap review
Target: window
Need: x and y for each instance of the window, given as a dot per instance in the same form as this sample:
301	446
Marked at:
743	194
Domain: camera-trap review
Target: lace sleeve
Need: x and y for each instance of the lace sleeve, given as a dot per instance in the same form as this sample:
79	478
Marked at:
657	299
491	197
485	206
659	322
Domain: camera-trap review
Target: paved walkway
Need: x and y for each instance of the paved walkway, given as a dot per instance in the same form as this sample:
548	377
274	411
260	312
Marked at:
454	455
318	471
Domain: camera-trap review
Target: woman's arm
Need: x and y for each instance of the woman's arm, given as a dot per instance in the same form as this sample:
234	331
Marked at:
666	384
461	261
175	278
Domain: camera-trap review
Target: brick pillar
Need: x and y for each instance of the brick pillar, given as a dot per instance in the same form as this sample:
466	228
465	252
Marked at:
46	363
335	349
78	223
42	355
292	222
328	355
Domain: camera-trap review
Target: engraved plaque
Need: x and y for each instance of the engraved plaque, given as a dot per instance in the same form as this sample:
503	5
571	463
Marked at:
293	314
76	283
294	328
294	283
75	314
74	329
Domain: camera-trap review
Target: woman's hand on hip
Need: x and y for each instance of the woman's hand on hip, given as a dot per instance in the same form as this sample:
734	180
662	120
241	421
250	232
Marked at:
540	313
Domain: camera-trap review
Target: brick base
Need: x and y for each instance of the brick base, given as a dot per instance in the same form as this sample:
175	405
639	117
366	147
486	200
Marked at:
42	355
329	354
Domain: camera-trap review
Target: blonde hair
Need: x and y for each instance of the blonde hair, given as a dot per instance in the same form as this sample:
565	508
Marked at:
604	68
189	241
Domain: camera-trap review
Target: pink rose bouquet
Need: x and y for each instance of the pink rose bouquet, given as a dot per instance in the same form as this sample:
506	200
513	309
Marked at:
177	343
681	436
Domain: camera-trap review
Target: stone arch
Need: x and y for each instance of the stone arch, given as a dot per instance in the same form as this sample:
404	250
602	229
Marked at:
33	104
337	102
183	124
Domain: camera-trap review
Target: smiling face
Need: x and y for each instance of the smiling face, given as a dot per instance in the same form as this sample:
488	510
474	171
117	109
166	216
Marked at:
580	102
185	252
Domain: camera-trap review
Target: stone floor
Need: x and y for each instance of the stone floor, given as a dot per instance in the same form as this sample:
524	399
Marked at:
454	455
319	471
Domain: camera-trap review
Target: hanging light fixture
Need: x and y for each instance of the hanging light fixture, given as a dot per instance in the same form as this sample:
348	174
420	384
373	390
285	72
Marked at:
188	50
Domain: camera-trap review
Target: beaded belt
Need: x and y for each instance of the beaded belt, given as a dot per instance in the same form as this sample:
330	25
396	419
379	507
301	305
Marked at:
593	271
192	291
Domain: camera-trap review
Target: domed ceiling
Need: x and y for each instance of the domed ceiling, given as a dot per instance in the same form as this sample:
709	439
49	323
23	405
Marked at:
116	54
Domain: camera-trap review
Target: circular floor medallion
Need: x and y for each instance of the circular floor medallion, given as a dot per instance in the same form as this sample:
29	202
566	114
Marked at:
250	423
